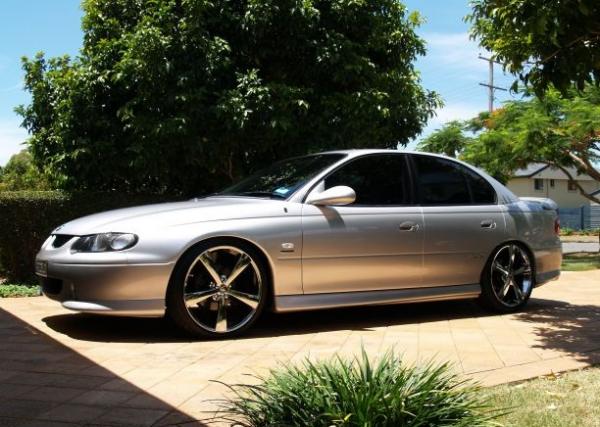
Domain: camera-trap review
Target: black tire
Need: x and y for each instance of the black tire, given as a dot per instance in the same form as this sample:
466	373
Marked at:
494	282
196	320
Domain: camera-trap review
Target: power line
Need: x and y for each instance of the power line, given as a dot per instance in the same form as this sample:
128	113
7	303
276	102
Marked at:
490	83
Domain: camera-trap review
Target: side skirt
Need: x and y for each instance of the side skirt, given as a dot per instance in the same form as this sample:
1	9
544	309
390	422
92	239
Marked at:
287	303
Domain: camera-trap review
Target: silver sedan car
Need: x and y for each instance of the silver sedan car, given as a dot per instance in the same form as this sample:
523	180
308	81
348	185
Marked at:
335	229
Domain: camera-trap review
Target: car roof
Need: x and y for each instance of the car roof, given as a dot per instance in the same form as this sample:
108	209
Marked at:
362	151
355	152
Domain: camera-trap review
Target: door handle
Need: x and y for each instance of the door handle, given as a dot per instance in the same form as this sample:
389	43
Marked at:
488	223
409	226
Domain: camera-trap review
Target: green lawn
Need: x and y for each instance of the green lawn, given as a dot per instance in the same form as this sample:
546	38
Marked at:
18	290
570	399
581	261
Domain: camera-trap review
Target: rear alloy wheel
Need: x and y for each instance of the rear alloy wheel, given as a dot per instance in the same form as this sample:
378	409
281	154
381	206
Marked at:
217	290
508	280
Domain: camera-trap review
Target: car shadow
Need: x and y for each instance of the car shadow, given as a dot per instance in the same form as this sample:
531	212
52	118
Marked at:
128	329
43	382
574	329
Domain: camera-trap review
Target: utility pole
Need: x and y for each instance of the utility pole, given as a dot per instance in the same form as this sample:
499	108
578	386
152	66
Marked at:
490	83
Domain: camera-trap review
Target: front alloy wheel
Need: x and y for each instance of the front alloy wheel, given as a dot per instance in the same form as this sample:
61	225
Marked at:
217	290
508	279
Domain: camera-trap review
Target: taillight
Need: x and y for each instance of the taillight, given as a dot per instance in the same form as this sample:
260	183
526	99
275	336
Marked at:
557	226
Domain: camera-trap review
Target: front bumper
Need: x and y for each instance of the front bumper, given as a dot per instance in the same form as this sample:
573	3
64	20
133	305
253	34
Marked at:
120	289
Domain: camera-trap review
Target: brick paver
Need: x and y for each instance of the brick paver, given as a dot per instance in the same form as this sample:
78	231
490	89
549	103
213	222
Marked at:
61	368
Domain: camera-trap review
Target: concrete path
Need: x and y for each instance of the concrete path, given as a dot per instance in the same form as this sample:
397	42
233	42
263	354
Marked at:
570	247
61	369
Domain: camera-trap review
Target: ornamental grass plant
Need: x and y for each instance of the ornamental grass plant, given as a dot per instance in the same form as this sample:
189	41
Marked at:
359	392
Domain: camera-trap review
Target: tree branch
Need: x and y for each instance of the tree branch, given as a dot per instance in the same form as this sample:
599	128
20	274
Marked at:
579	187
585	165
568	46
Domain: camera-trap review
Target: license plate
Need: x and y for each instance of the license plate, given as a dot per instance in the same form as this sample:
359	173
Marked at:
41	268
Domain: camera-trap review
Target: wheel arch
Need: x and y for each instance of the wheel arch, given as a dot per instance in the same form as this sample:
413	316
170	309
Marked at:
520	243
231	239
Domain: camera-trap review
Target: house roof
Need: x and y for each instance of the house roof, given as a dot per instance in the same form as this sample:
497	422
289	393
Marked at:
530	170
544	171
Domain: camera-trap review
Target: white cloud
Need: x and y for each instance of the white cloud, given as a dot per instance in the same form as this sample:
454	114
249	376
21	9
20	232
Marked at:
455	111
448	52
11	139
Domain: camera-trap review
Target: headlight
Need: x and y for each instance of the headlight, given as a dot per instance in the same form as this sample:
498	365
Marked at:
105	242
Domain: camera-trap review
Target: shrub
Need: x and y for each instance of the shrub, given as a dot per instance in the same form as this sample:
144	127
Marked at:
28	217
18	290
358	393
566	231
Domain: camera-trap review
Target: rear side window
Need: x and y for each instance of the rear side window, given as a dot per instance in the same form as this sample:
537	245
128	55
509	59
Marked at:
443	182
378	180
481	190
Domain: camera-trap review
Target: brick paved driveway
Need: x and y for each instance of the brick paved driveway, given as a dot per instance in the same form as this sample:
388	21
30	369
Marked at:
58	367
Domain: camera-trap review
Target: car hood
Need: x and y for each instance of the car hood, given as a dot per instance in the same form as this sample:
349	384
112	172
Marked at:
140	218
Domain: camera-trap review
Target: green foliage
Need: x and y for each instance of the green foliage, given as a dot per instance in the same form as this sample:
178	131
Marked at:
21	174
28	217
360	393
186	95
562	131
543	42
581	261
17	290
449	140
558	130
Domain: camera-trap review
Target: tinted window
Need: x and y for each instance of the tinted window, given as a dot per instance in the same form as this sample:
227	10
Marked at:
282	179
441	182
481	190
377	180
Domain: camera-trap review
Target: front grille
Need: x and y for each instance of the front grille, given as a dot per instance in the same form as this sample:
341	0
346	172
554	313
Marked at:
61	239
50	285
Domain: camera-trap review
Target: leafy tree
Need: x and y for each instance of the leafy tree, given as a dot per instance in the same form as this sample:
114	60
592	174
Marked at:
187	95
21	174
560	131
542	41
449	140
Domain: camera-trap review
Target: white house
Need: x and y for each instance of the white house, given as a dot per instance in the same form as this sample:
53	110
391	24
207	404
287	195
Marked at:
541	180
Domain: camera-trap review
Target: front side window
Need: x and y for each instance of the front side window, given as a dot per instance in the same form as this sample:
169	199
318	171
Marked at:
377	180
282	179
572	186
442	182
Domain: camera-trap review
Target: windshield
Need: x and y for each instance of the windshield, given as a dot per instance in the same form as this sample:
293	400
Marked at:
282	179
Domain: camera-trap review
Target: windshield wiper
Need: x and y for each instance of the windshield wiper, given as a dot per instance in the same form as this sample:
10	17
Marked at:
260	194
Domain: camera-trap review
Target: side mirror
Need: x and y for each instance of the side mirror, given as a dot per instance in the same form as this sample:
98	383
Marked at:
334	196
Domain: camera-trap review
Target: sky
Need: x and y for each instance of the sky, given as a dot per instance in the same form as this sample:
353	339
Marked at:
451	66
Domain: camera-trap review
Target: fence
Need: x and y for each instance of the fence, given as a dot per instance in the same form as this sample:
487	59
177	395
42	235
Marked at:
582	218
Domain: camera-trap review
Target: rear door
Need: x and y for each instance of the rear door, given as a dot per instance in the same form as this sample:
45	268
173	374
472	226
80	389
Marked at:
463	221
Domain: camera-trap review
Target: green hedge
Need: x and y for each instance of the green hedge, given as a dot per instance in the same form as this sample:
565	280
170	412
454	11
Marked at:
28	217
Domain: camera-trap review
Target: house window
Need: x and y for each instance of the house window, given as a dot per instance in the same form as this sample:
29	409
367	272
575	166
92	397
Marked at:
551	183
538	184
571	186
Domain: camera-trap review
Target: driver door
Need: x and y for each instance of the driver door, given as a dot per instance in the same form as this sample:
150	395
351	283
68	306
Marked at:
375	243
